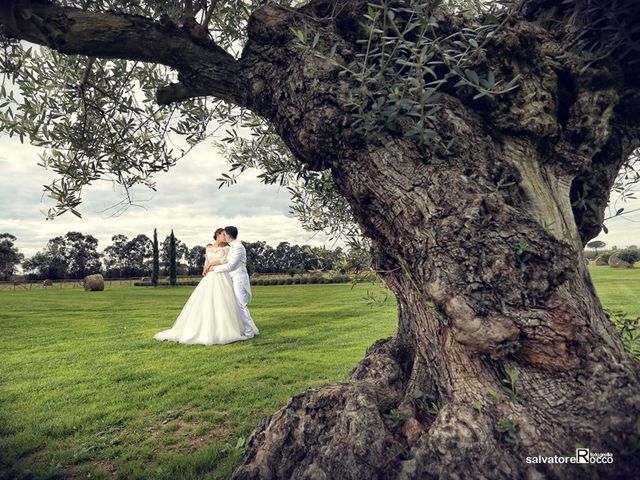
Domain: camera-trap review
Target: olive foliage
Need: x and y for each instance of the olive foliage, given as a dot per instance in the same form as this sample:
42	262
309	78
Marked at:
98	120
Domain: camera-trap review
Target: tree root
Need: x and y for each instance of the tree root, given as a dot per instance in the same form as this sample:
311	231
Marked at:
371	427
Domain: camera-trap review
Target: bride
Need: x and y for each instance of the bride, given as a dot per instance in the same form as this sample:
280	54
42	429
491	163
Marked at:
211	314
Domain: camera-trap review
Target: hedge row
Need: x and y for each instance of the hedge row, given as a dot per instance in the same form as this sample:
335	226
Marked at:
269	281
630	254
300	280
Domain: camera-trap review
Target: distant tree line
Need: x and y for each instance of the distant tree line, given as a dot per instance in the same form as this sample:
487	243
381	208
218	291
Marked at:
291	259
630	254
10	258
73	255
76	255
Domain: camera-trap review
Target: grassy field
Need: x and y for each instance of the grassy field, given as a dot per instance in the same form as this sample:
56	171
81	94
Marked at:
85	390
618	289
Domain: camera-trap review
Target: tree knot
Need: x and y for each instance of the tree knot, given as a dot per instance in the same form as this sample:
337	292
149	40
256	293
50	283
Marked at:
270	22
493	335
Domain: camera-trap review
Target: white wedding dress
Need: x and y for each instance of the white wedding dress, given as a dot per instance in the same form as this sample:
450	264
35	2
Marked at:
211	315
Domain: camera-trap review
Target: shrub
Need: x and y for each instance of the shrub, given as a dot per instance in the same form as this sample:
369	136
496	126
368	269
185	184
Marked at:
165	284
630	255
605	255
629	329
265	281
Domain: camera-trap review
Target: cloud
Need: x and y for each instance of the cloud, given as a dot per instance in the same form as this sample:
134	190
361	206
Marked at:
187	200
624	230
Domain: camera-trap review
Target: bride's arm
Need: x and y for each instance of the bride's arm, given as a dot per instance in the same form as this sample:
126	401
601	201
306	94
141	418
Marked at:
205	269
225	254
232	261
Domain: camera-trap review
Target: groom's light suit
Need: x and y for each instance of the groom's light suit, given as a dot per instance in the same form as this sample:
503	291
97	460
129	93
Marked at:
237	267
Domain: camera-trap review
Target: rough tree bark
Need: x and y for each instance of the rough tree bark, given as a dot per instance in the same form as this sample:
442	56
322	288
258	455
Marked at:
482	248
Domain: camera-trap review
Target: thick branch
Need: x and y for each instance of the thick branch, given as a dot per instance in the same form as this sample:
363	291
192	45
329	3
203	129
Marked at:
599	28
175	92
205	68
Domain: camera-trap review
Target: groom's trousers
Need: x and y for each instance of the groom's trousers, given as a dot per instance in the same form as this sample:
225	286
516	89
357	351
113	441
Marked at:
243	297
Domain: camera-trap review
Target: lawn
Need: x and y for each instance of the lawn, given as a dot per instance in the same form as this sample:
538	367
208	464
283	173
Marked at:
618	289
85	390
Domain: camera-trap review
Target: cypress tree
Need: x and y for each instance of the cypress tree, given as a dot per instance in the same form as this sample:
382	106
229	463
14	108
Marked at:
172	259
155	273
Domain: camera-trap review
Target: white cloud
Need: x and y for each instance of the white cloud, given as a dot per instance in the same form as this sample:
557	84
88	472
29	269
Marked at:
187	200
624	230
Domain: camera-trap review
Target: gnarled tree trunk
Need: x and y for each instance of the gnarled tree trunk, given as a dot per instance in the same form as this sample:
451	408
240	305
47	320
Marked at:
503	350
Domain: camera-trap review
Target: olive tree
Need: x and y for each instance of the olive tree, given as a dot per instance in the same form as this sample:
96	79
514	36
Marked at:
474	146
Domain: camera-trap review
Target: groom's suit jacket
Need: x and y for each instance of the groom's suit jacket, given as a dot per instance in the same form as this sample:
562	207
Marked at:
236	265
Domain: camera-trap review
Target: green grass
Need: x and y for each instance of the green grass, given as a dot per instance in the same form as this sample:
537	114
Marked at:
84	389
618	289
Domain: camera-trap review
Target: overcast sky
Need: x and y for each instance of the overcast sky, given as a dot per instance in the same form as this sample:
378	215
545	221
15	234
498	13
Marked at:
188	201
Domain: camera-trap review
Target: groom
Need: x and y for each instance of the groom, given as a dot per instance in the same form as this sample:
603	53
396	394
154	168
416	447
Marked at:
237	267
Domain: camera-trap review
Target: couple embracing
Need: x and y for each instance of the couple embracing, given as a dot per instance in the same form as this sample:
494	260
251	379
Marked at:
216	311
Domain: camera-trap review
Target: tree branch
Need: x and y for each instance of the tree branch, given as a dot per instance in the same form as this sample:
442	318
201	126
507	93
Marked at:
209	14
188	8
204	67
175	92
600	27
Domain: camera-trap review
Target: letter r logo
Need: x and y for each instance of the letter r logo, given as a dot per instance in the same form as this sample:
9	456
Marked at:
582	454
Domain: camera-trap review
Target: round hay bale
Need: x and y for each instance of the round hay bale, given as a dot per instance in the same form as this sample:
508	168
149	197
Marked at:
94	283
616	262
47	283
